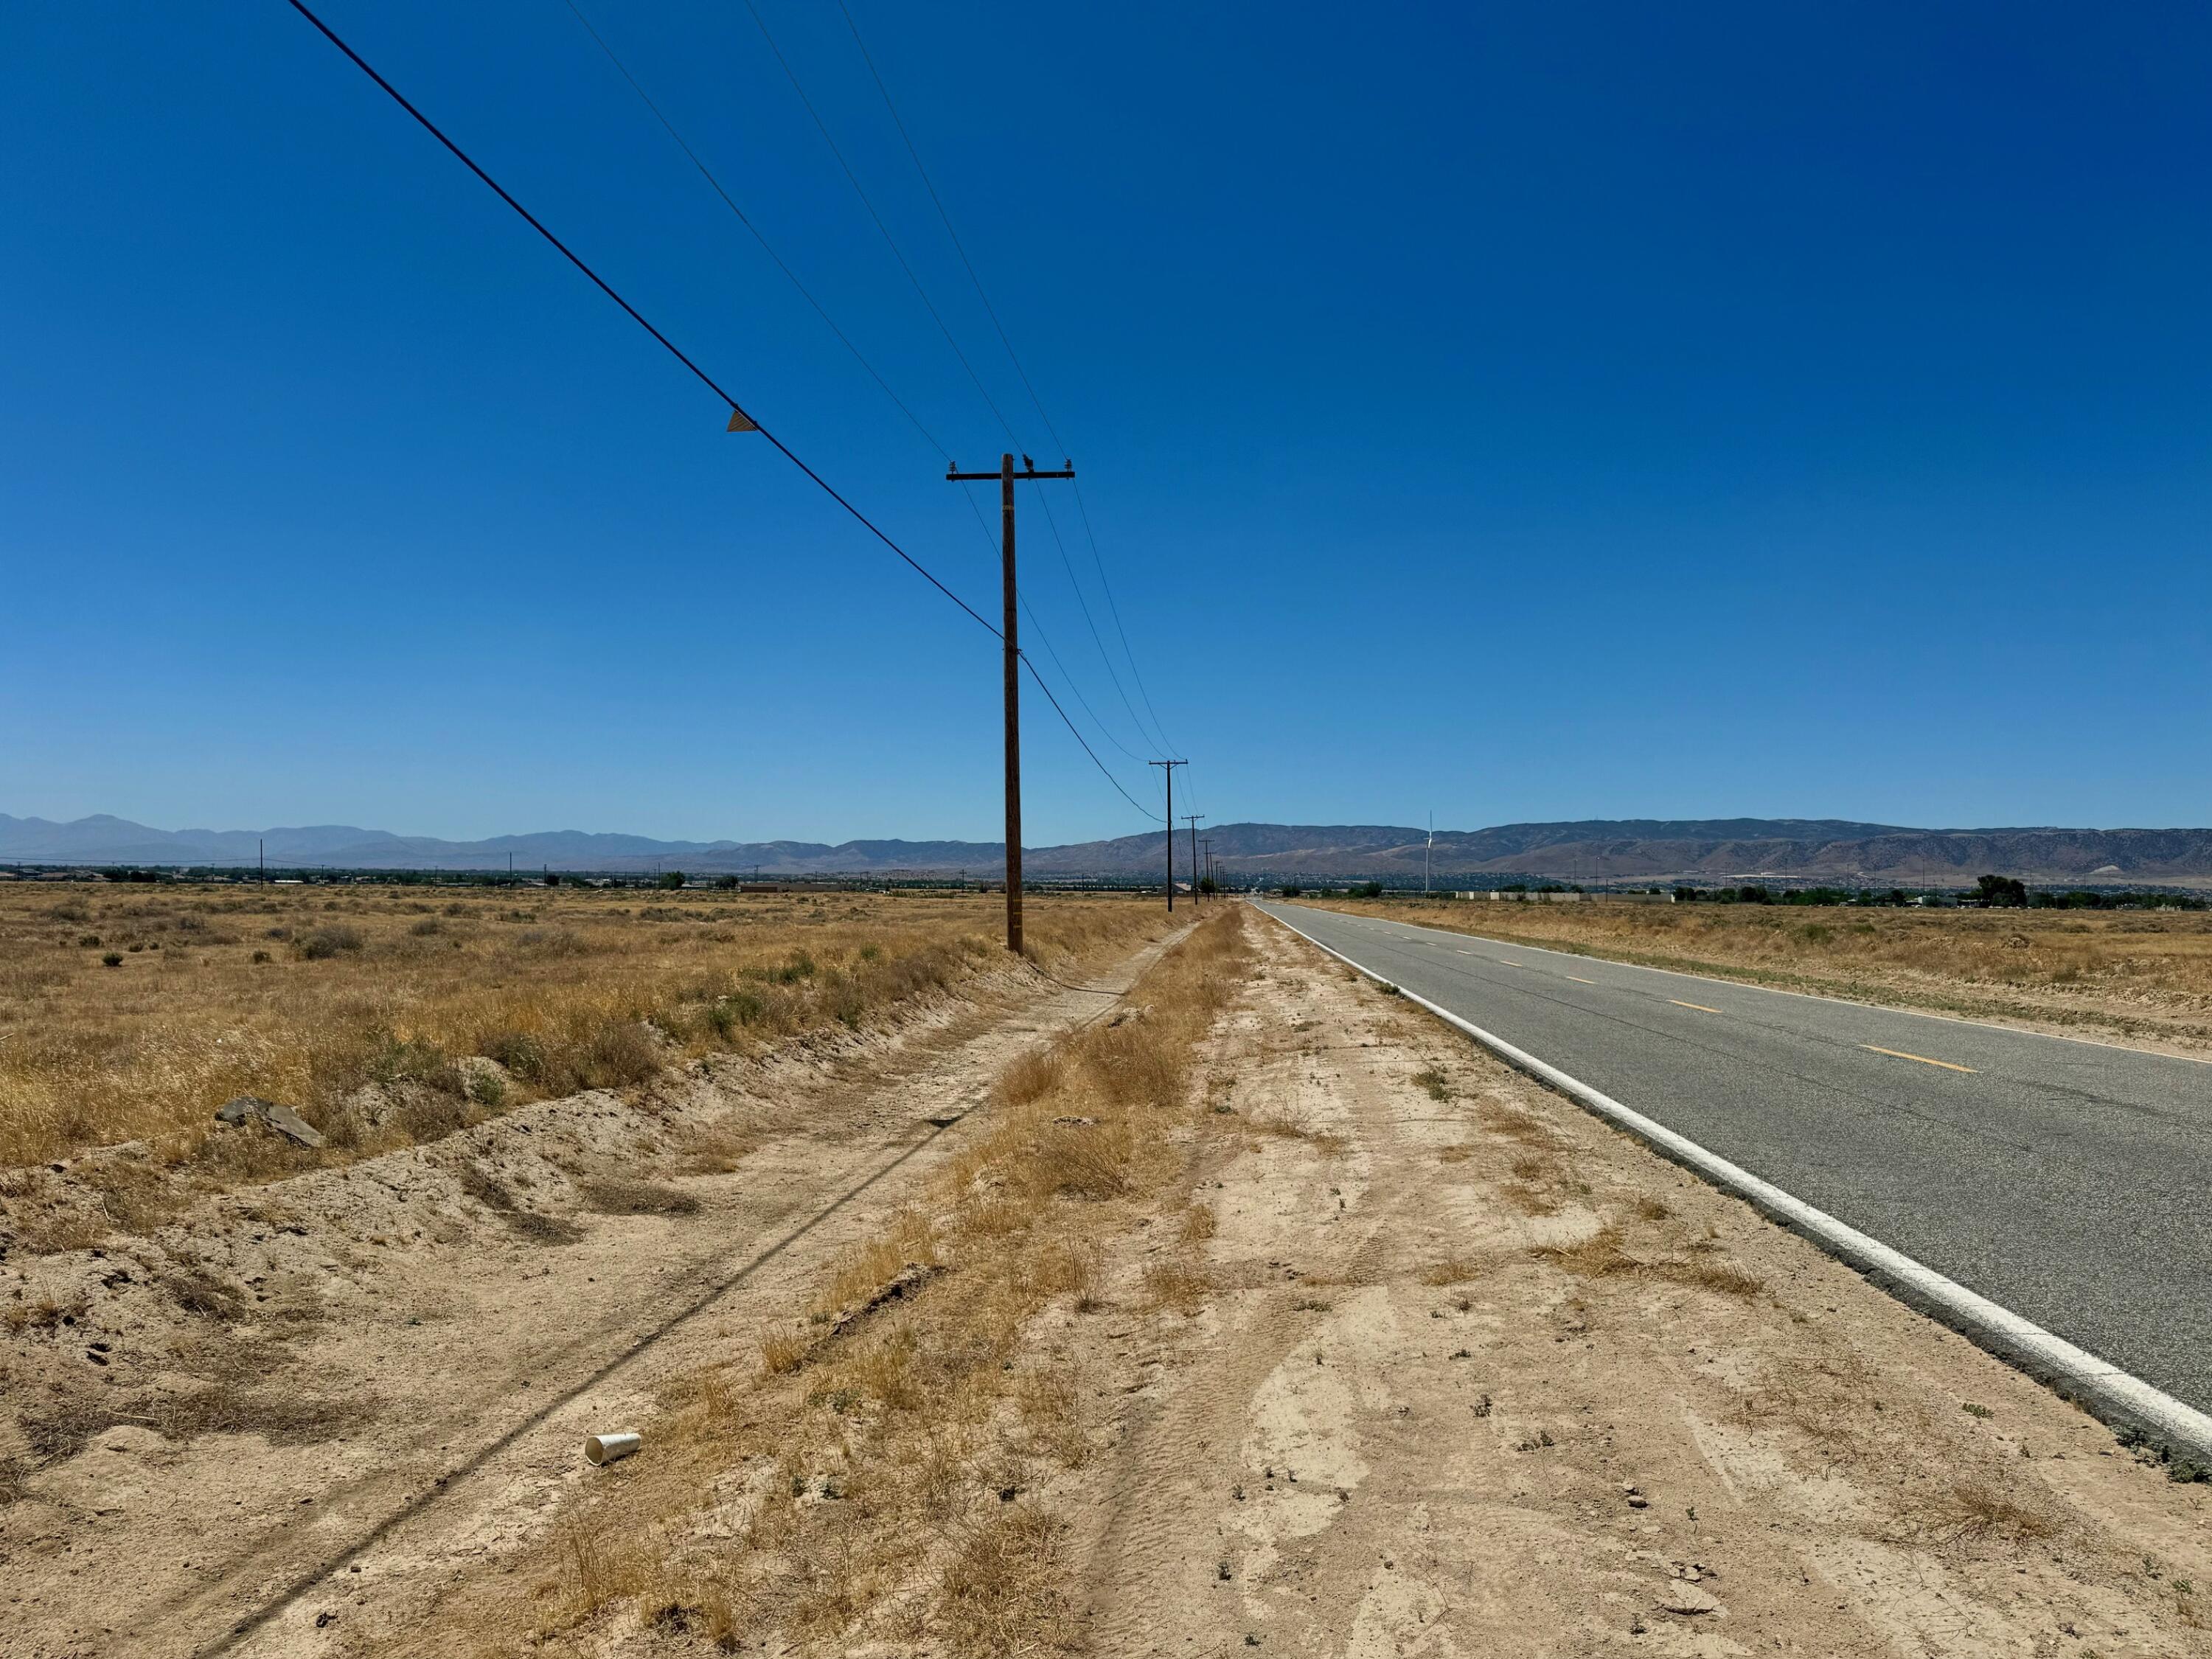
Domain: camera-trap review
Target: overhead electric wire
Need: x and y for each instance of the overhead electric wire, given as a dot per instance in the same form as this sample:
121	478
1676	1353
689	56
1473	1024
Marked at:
945	217
704	378
767	247
1036	621
1084	605
781	265
600	282
1136	673
889	240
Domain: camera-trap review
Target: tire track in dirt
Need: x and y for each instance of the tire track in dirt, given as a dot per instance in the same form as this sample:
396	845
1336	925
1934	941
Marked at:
1537	1392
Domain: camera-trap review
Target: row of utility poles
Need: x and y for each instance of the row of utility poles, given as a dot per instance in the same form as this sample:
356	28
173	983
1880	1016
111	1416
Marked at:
1010	595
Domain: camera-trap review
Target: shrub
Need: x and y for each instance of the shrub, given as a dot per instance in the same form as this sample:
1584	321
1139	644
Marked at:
331	939
729	1012
520	1053
626	1053
261	956
114	959
411	1060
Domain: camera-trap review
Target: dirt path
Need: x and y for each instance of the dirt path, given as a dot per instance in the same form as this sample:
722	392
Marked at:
392	1365
1477	1375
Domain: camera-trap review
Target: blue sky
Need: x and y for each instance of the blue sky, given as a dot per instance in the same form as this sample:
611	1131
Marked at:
1521	413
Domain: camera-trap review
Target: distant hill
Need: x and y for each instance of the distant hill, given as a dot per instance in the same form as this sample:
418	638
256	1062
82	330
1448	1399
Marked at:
1649	850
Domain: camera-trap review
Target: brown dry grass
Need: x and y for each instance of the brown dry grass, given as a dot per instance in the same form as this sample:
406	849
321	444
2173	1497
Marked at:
305	994
870	1482
1603	1255
2143	973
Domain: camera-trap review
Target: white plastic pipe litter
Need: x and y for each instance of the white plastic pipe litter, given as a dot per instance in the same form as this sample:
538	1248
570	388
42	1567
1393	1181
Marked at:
606	1447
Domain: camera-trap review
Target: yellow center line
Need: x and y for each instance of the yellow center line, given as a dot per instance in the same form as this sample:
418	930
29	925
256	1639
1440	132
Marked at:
1900	1053
1699	1006
1579	980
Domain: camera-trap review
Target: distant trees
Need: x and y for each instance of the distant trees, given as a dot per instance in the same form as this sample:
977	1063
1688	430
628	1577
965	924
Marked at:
727	884
2001	890
1367	890
1291	890
670	879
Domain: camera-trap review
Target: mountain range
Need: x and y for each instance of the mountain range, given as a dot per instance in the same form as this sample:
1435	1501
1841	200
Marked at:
1607	850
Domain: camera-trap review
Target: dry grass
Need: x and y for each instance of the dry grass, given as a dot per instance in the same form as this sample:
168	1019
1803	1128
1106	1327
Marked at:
325	998
2144	973
1452	1270
1284	1128
870	1483
1178	1285
1973	1509
1603	1255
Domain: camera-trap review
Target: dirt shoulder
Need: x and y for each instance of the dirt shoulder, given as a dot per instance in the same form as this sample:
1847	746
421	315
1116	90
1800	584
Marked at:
1478	1374
2144	980
256	1424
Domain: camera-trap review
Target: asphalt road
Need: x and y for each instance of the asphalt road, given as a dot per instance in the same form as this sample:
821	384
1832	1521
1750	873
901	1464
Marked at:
2069	1181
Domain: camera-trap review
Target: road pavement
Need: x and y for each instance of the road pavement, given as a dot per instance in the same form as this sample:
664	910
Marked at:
2070	1182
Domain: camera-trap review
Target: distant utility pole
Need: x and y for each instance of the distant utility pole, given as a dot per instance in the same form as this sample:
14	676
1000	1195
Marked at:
1191	818
261	853
1007	477
1206	841
1427	853
1169	767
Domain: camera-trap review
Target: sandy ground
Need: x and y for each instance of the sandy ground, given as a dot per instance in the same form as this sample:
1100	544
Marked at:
1480	1377
394	1364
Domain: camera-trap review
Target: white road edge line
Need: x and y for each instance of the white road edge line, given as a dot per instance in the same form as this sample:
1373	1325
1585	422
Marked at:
2115	1396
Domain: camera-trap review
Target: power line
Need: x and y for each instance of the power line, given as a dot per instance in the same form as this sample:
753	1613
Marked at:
1012	356
890	241
946	219
701	375
1084	605
1136	673
600	282
944	328
768	248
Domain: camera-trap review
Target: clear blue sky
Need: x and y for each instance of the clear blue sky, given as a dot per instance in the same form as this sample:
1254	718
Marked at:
1520	412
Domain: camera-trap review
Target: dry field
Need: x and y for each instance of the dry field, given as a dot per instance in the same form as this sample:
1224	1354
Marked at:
388	1015
2145	977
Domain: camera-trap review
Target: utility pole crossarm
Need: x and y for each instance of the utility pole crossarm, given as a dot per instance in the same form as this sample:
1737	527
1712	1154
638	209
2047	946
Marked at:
951	476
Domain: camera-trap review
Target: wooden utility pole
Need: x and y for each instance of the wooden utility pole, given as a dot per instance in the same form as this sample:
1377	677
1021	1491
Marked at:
1191	818
1007	477
1170	766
